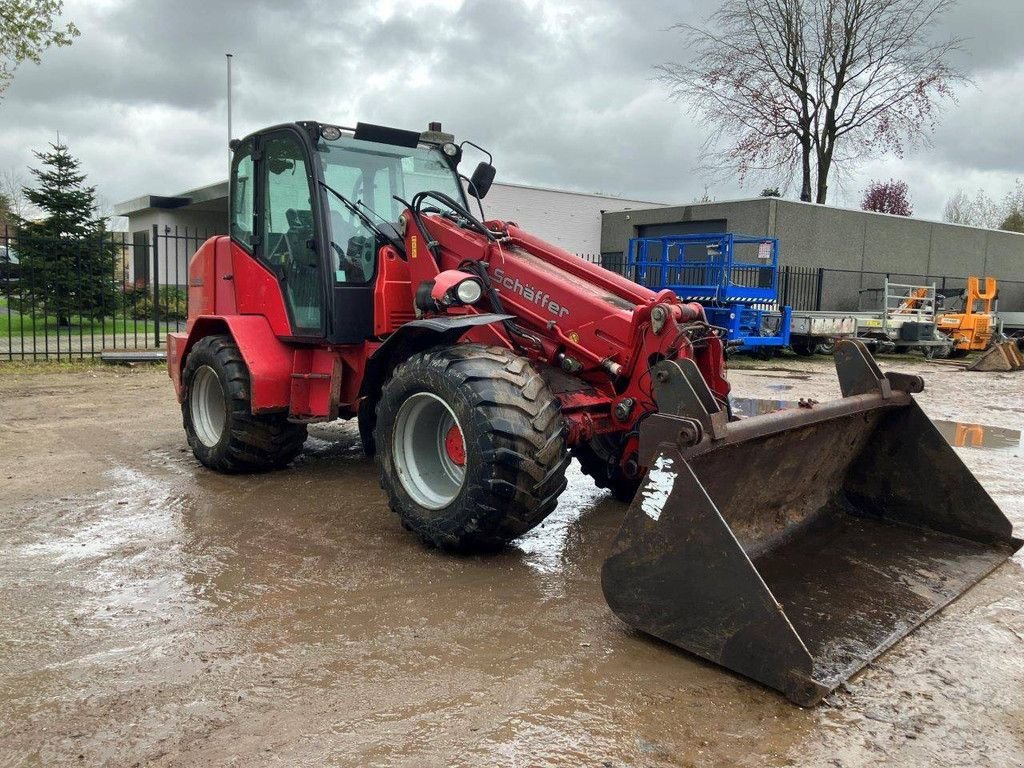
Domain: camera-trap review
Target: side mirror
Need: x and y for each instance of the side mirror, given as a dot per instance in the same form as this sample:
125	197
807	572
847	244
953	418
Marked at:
481	181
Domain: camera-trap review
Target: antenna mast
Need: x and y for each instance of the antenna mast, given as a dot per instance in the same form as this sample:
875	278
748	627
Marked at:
228	56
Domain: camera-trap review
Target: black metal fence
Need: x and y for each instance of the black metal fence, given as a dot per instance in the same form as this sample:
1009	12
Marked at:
842	290
852	290
67	298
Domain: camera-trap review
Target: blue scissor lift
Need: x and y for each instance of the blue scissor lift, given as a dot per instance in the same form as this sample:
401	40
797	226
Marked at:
734	277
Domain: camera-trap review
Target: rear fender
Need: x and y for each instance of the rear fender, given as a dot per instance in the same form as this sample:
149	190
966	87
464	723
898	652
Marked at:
269	360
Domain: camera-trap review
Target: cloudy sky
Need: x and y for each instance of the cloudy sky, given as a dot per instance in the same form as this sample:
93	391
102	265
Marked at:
561	92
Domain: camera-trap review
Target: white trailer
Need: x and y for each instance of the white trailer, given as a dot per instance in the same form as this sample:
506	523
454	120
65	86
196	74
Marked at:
811	332
905	321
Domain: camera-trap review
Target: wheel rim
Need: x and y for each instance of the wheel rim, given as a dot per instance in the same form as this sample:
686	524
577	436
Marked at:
206	403
428	446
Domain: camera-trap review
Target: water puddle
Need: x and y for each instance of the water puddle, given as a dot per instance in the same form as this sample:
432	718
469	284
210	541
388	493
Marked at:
959	434
963	435
545	545
753	406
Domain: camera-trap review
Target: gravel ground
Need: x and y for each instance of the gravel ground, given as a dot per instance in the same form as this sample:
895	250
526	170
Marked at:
155	613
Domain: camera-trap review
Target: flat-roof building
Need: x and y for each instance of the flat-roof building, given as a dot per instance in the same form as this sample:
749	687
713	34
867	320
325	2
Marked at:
856	248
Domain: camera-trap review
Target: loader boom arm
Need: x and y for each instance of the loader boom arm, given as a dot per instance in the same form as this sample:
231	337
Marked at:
599	327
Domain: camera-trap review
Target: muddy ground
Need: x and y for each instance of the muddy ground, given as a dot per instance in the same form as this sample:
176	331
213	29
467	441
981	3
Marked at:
155	613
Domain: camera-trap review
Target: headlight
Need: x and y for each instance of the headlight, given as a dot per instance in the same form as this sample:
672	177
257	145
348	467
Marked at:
469	291
450	149
330	132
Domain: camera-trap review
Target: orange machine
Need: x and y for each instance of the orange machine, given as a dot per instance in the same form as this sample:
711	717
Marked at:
972	328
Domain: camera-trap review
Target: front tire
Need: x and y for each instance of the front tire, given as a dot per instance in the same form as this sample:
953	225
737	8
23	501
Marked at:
222	431
470	446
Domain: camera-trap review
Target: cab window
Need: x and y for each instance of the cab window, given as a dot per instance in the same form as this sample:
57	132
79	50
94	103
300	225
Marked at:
243	195
289	235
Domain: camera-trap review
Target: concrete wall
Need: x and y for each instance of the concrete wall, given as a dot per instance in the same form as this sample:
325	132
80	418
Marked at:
910	250
180	233
751	217
570	220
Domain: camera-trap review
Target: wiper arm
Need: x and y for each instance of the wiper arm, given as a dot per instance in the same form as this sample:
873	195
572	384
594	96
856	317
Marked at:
363	217
370	210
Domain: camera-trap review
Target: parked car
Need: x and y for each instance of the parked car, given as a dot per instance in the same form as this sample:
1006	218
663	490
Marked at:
10	266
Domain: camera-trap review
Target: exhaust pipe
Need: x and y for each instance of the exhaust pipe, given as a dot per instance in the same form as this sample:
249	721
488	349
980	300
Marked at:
796	547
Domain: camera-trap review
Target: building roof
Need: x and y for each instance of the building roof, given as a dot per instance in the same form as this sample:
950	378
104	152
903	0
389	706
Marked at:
213	197
825	206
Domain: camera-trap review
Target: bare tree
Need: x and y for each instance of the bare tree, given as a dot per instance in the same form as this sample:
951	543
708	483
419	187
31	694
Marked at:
12	187
978	211
813	84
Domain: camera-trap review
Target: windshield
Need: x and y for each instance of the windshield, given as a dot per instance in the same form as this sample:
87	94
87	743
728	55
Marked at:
372	173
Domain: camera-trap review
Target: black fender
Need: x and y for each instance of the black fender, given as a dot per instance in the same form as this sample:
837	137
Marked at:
413	337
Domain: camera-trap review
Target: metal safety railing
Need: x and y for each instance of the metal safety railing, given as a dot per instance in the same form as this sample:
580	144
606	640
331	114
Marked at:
720	268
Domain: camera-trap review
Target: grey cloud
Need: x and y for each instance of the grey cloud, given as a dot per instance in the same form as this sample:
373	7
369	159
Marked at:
140	96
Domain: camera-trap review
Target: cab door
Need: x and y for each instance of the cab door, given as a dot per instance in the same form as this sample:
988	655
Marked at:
287	220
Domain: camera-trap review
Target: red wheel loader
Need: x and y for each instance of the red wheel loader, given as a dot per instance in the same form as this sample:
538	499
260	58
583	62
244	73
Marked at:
358	283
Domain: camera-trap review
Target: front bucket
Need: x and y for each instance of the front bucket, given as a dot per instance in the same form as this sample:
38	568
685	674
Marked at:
1004	356
796	547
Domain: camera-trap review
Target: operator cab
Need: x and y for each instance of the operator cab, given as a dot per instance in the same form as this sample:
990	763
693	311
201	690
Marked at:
314	203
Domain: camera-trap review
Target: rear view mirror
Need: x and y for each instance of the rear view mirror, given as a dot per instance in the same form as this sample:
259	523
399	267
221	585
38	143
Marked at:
279	165
481	181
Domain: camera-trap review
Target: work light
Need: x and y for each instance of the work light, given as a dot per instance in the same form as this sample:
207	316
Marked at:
469	291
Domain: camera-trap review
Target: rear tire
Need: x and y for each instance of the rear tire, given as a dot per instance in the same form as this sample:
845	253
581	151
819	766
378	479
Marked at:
599	459
470	446
222	431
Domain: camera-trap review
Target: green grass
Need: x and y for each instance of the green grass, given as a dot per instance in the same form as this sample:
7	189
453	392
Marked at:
17	324
27	325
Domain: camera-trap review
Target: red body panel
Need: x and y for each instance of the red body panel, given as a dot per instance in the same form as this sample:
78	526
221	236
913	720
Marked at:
392	306
229	292
233	294
202	281
597	326
256	291
269	359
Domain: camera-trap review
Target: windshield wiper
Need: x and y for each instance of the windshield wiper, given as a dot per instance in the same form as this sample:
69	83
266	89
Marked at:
395	242
370	210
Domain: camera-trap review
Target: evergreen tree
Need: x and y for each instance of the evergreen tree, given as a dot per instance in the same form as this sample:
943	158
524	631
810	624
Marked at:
69	263
1014	221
